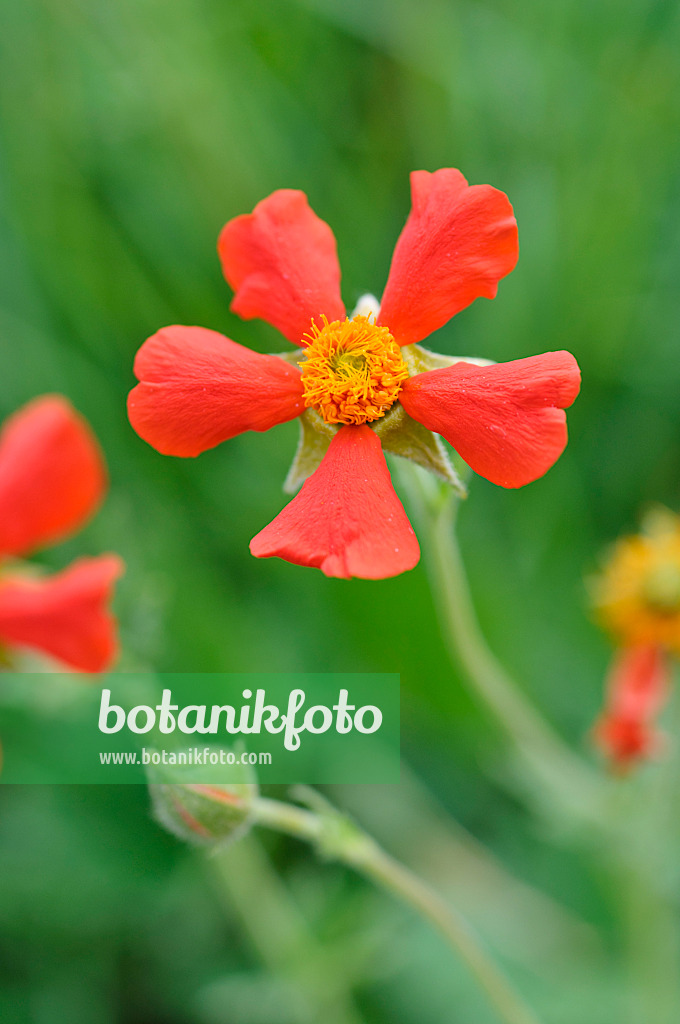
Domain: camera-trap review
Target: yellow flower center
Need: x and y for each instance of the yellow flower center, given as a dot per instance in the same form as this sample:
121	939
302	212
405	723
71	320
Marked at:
661	588
353	370
638	594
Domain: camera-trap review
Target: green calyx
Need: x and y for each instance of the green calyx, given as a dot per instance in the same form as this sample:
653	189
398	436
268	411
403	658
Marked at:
315	437
420	360
401	435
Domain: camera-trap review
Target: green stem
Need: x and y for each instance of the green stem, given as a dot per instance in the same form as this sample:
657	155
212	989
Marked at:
642	861
281	936
651	950
338	838
538	745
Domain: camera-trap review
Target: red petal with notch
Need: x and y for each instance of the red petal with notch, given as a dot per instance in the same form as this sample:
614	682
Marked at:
346	520
282	262
458	242
637	689
505	420
52	475
65	616
199	388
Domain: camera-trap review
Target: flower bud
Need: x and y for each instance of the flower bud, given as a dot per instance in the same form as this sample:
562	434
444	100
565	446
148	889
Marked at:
203	813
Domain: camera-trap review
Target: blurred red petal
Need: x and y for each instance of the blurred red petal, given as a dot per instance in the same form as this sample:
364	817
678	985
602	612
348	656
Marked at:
505	420
199	388
52	475
458	242
637	689
65	616
282	262
346	520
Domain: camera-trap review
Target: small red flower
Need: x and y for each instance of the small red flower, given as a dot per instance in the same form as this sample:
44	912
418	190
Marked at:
637	600
637	689
359	384
52	479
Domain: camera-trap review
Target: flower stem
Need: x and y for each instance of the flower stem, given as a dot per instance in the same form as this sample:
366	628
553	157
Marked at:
280	934
540	748
336	837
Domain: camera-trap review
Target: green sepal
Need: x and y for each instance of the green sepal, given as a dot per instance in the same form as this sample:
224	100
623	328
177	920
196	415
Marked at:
401	435
420	360
315	437
292	357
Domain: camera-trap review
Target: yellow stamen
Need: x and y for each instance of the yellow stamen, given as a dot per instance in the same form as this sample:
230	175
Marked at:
638	594
353	370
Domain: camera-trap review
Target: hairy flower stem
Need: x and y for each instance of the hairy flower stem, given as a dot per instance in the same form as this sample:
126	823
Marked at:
281	936
338	838
550	761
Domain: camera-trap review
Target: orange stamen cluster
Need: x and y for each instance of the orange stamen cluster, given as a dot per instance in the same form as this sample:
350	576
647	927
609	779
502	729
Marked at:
638	594
353	370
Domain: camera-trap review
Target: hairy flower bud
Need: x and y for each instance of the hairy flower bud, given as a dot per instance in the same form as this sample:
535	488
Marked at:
203	813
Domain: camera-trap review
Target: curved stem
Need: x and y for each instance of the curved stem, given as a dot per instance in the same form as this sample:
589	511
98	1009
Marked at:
539	746
338	838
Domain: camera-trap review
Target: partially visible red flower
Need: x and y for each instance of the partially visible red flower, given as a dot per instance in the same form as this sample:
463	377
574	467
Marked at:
637	600
52	480
637	689
356	381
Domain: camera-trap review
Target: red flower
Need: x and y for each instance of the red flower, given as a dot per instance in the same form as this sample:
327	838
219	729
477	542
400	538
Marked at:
52	479
198	388
637	690
637	599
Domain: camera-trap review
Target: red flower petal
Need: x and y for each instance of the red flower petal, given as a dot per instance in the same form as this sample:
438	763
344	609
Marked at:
65	616
282	262
52	475
458	242
346	520
199	388
506	420
637	689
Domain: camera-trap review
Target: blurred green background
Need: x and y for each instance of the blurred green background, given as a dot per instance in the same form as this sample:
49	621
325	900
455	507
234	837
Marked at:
129	133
